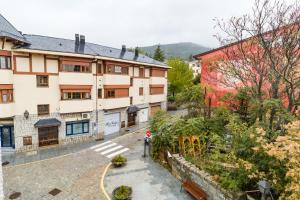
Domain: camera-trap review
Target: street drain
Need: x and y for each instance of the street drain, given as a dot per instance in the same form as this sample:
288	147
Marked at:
15	195
54	192
139	139
99	139
5	163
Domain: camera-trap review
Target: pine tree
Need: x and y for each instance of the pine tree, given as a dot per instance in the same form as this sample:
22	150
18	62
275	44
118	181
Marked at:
159	54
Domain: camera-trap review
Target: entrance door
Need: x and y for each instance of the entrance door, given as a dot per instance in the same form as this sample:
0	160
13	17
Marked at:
112	123
7	136
48	136
131	119
155	109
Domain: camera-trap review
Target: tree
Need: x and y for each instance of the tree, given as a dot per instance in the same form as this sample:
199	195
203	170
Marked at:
179	76
197	79
159	54
265	53
193	98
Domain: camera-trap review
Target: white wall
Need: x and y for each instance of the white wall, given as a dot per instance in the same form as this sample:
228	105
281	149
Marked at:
27	95
116	103
38	64
6	76
114	79
72	78
71	106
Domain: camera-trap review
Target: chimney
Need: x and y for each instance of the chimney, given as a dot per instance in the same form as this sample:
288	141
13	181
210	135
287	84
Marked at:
136	53
76	39
123	48
82	40
123	51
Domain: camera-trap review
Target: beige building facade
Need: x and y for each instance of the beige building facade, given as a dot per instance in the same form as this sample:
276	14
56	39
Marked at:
55	91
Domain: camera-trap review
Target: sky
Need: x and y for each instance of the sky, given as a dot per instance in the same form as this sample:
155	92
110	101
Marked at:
130	22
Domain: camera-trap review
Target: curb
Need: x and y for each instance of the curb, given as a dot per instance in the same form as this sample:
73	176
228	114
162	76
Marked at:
102	182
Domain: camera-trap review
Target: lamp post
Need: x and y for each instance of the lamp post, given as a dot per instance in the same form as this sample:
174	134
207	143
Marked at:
264	188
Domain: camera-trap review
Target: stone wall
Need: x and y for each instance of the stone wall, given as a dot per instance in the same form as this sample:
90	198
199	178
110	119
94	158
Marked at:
183	169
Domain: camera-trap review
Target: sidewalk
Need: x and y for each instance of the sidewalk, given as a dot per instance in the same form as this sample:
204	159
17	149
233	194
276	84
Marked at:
60	150
149	180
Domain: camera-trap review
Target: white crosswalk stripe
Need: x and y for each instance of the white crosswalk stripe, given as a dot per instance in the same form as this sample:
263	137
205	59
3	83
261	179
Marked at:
99	145
117	153
109	149
105	147
112	149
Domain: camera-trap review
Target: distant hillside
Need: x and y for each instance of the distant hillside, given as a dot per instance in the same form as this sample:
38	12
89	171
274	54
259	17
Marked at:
182	50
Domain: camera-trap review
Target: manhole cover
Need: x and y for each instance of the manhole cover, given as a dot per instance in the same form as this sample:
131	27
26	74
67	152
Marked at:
5	163
54	192
15	195
139	139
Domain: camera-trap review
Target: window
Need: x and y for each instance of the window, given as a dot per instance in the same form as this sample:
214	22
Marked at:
116	69
42	81
5	62
43	109
99	68
131	100
157	72
141	91
76	68
141	72
156	90
78	127
99	93
76	95
6	96
110	94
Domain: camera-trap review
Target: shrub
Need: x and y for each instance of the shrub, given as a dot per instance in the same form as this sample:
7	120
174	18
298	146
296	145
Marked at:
122	192
119	160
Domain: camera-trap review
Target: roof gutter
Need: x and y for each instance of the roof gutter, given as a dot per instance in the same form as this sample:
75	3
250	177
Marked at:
86	56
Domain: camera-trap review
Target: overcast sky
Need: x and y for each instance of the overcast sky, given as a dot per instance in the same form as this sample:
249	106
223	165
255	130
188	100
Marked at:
131	22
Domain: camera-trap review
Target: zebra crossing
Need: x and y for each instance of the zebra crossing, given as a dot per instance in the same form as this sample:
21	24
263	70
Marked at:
109	149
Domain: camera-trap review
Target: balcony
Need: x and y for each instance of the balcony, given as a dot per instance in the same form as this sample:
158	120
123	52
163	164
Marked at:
72	106
6	110
115	79
158	98
71	78
116	103
6	76
157	80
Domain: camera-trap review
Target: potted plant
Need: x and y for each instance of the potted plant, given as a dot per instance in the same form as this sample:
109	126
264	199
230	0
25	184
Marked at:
122	193
119	161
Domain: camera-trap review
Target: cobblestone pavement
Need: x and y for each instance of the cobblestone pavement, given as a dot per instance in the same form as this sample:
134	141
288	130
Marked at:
77	175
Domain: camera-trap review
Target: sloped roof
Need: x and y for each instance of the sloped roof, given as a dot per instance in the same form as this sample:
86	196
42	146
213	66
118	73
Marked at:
8	30
45	43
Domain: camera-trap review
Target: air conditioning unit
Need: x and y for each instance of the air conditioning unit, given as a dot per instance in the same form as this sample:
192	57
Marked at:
85	115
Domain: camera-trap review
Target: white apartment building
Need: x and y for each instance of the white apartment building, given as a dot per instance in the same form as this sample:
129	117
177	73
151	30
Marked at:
58	91
195	67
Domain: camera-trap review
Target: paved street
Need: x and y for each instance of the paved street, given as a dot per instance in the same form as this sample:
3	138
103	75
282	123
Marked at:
149	180
77	175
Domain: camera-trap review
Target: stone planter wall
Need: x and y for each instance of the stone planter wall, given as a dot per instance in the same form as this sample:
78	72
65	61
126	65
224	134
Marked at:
183	169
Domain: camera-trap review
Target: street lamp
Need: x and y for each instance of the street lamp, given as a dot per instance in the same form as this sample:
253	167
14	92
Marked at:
264	188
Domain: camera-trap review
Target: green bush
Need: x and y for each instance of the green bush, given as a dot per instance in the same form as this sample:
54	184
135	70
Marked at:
119	160
122	192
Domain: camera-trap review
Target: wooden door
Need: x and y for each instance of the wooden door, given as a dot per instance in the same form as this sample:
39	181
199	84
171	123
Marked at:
131	119
48	136
154	109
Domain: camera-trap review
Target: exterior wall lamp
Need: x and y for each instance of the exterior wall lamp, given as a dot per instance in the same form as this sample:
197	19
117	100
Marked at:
26	114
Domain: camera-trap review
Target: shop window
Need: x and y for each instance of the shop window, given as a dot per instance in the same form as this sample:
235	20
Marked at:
78	127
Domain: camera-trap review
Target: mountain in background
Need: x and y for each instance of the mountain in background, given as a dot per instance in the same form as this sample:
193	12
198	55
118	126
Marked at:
182	50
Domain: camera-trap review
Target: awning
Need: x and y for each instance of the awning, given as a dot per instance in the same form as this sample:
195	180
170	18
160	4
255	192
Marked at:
132	109
47	123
